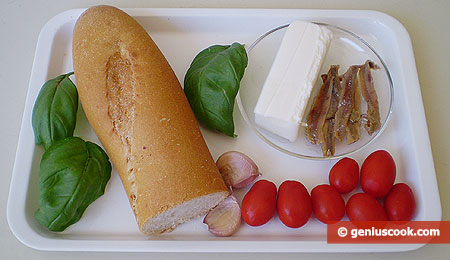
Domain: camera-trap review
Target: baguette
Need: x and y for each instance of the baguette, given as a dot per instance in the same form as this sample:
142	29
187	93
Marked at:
138	109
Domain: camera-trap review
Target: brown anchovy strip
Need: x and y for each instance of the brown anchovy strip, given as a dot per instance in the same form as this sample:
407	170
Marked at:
319	110
373	122
346	103
336	96
328	127
354	122
329	143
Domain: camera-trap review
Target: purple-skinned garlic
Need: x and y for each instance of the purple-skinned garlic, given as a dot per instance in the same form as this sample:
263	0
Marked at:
225	218
237	169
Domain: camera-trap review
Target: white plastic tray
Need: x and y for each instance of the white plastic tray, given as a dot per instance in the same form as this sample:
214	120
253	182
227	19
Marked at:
109	225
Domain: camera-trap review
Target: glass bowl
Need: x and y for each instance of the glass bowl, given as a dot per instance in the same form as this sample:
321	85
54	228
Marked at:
346	49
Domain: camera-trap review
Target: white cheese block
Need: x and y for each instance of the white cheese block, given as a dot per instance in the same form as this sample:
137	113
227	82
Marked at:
286	91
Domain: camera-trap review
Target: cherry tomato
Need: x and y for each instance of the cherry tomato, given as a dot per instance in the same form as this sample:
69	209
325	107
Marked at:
328	205
400	203
293	204
258	205
344	175
378	174
365	207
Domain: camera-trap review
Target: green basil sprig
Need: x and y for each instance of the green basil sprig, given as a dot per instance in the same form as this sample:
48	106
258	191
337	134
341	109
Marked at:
55	111
73	174
212	83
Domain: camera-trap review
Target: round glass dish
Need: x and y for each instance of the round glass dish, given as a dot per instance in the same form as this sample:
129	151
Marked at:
346	49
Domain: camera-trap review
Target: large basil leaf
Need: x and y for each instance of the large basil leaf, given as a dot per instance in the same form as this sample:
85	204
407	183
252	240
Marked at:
212	83
55	110
73	173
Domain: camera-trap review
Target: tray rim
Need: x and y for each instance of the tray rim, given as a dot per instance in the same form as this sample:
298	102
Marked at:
17	198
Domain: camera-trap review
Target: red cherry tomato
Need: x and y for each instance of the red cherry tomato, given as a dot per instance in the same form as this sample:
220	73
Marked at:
365	207
328	205
344	176
293	204
400	203
378	174
258	205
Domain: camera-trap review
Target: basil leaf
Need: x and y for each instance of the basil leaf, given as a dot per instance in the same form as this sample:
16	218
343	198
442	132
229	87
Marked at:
73	174
212	83
55	110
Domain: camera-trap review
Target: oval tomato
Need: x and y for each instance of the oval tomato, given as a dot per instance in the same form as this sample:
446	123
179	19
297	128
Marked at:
328	205
378	174
293	204
400	203
365	207
258	205
344	175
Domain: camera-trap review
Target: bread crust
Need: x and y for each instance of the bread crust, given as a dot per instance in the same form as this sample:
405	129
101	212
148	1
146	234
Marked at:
138	109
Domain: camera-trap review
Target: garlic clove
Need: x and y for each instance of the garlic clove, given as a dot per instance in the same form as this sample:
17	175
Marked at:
225	218
237	169
246	182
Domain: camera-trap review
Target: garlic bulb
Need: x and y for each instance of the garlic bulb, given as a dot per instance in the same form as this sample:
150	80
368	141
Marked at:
237	169
225	218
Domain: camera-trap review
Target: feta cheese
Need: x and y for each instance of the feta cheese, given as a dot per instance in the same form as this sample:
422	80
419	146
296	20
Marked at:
286	91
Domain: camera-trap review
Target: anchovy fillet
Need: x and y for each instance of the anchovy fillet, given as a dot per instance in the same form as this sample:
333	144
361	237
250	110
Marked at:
346	103
319	110
354	123
368	92
329	143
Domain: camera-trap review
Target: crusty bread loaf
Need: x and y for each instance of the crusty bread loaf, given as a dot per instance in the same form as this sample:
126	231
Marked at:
138	110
